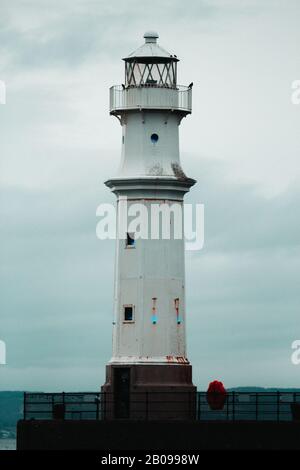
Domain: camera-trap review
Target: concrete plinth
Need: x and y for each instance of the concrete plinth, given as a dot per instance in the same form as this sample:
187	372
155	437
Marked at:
149	392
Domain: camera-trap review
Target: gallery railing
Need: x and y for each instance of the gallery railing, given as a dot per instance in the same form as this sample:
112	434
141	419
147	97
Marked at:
236	406
150	97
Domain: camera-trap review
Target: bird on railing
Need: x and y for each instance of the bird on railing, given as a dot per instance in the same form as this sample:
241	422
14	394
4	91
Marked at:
123	86
191	85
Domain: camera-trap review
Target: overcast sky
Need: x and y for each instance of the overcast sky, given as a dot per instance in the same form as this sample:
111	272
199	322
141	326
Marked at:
58	145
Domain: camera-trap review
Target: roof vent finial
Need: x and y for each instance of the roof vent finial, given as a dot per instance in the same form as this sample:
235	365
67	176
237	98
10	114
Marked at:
151	37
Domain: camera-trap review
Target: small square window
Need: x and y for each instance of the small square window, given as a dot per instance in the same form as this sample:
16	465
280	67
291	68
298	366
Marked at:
128	313
130	241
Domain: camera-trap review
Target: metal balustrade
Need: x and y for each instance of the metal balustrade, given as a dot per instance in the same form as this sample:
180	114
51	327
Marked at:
237	406
150	97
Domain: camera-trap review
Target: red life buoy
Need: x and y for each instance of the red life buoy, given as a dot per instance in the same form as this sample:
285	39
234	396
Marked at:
216	395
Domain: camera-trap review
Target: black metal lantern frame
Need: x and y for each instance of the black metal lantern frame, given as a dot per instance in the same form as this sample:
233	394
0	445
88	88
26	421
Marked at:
152	74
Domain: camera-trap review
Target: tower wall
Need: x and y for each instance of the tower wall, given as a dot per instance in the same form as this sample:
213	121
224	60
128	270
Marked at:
150	277
142	156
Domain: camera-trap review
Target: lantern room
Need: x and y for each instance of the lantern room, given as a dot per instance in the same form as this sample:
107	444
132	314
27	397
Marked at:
151	65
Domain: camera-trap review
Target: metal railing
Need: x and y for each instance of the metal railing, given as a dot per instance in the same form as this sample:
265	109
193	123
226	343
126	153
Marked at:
150	97
236	406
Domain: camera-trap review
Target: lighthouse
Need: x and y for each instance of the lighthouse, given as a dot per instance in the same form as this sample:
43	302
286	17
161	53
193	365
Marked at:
149	372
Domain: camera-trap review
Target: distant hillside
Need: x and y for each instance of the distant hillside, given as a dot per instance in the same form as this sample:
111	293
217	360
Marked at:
11	410
262	389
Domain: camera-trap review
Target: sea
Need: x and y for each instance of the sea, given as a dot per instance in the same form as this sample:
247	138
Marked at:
8	444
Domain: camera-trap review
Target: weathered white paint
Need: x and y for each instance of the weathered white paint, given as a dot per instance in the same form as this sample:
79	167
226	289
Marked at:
151	275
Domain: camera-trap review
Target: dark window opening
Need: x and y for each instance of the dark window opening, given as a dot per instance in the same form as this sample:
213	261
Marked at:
121	395
128	313
130	241
154	138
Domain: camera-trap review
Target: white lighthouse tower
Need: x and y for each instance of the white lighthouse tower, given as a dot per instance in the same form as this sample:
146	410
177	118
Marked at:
149	360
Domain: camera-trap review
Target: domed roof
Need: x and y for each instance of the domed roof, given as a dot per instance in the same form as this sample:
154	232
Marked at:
151	50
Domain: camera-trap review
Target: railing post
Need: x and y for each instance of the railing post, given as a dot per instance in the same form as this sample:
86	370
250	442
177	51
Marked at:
227	407
147	405
233	406
256	406
278	405
199	405
24	406
103	406
64	406
97	405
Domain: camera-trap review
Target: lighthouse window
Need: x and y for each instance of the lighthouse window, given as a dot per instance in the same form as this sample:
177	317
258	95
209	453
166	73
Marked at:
128	313
154	138
130	241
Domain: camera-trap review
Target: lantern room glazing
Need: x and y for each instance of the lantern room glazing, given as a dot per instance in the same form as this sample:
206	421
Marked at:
151	65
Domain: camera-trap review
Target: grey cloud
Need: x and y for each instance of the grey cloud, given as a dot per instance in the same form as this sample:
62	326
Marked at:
57	278
238	217
65	35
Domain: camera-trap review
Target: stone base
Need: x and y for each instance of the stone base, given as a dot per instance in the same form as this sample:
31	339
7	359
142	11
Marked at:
149	392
